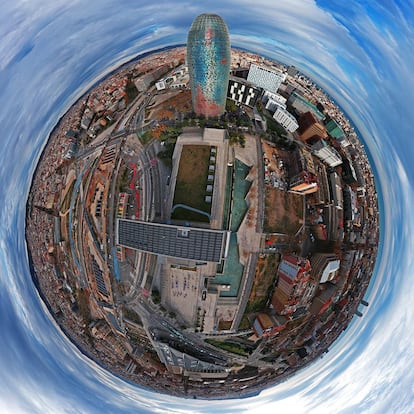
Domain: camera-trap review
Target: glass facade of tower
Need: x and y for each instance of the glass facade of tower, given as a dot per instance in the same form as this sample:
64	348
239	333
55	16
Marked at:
208	57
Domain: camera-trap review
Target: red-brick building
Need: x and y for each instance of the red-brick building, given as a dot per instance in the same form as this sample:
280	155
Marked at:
294	286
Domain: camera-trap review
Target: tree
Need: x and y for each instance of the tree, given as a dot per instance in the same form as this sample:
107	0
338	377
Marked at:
230	106
155	295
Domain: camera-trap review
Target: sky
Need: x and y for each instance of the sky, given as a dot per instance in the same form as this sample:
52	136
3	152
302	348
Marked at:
360	52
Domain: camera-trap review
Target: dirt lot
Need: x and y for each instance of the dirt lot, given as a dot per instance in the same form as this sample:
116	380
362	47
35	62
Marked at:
179	102
283	212
263	281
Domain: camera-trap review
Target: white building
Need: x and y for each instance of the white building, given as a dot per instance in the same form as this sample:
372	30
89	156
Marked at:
324	266
327	154
273	101
272	105
279	99
329	271
286	119
178	78
268	79
160	85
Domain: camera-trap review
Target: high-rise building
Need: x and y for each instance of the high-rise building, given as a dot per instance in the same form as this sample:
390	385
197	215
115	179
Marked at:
324	267
294	288
310	129
208	58
242	91
326	153
275	98
268	79
284	118
302	105
292	71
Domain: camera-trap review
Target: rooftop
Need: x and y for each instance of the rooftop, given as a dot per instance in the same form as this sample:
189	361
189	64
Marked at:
173	241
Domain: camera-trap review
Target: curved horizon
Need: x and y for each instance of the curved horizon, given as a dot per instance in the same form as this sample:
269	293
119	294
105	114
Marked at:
360	54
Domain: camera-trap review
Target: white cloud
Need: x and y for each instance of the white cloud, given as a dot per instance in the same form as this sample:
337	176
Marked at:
367	372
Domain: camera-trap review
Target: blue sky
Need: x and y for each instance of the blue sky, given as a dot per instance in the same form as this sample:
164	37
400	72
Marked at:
359	51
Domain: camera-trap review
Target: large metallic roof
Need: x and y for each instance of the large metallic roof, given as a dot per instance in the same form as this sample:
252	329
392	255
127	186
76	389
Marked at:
174	241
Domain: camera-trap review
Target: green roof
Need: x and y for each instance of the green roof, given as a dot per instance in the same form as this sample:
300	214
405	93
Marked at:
334	130
310	105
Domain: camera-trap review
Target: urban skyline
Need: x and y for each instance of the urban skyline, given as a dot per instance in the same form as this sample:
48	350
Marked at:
192	252
69	380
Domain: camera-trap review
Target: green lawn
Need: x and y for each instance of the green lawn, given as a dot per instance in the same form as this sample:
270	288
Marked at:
230	347
190	187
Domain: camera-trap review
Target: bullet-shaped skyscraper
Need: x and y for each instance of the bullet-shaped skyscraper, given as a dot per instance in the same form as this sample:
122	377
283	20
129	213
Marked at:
208	58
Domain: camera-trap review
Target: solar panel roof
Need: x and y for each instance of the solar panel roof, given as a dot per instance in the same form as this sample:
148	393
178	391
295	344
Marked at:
174	241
